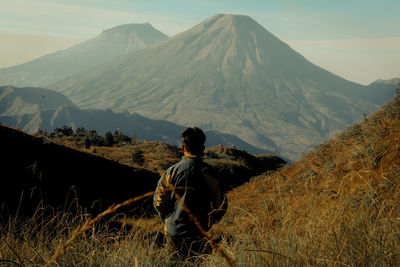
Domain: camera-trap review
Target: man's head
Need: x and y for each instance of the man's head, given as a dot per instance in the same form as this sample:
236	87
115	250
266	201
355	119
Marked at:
193	140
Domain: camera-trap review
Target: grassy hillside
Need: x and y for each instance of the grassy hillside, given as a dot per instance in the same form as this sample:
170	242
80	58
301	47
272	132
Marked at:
235	165
337	206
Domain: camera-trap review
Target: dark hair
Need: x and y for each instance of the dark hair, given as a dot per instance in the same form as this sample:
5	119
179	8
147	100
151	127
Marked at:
193	140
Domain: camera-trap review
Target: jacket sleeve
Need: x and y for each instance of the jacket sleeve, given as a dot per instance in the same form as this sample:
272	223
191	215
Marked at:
162	196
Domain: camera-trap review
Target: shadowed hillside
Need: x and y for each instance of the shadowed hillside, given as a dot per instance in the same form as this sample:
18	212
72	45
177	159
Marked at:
235	166
51	171
35	170
338	205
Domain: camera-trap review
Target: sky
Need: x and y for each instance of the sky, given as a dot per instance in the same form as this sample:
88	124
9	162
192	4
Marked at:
358	40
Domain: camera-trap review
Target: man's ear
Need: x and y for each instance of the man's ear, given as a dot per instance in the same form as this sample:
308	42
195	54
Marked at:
183	148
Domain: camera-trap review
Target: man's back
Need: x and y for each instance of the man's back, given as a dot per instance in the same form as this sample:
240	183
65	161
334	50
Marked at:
191	176
189	193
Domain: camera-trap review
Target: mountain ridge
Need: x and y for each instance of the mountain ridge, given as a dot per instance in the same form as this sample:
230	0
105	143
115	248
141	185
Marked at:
33	109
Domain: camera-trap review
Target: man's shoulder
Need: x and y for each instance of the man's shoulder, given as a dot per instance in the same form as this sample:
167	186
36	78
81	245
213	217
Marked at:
209	169
176	167
184	164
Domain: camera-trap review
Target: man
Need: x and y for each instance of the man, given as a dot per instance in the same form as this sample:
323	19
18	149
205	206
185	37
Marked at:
190	186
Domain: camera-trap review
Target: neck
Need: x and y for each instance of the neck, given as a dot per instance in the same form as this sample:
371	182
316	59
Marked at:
188	154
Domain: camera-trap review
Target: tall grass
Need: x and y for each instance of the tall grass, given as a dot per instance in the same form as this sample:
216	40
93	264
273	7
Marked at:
339	205
62	239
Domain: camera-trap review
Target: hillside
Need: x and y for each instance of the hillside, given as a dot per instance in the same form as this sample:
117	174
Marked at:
111	43
379	91
55	169
234	77
50	191
338	205
234	165
21	107
38	173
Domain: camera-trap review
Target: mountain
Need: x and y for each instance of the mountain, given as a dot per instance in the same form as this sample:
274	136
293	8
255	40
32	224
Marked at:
110	44
231	75
31	109
394	81
22	106
382	91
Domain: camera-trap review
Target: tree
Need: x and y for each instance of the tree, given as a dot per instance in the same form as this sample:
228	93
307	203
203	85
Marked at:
80	131
109	139
87	142
64	131
137	156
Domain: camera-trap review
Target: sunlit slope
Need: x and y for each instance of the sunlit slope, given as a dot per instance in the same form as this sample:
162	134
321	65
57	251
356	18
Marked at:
340	203
228	74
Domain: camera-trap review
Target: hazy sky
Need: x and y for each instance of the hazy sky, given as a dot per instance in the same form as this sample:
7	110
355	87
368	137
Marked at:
358	39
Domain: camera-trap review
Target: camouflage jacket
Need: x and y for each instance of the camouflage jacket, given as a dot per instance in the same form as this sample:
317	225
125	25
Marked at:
194	183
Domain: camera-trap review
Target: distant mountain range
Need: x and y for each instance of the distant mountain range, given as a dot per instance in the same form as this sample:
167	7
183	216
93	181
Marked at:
112	43
229	74
394	81
31	109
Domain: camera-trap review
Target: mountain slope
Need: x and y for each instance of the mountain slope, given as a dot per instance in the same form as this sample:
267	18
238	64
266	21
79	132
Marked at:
382	91
231	75
110	44
21	107
31	109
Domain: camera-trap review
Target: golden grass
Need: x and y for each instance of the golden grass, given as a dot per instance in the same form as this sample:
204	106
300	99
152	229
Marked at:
89	223
339	205
118	240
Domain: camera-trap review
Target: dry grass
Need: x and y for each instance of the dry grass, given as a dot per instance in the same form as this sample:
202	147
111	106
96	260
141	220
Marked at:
339	205
66	240
32	243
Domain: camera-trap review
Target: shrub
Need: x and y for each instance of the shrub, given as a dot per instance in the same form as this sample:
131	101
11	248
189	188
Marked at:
109	139
137	156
